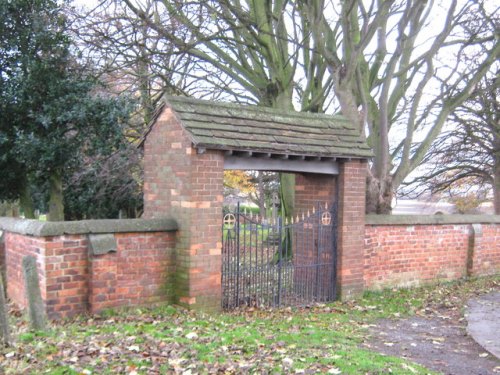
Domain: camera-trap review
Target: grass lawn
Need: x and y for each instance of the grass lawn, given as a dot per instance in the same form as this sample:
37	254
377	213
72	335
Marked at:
320	339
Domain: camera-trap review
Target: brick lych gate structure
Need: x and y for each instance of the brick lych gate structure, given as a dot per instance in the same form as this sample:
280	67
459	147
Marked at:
191	142
174	255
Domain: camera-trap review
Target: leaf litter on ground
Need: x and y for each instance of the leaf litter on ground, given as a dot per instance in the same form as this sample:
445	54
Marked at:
323	338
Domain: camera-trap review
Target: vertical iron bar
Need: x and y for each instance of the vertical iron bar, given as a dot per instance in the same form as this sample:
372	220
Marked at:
244	279
279	260
318	249
286	269
250	265
334	214
267	264
237	227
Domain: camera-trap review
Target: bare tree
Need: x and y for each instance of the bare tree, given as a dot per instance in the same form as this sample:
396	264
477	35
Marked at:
400	80
395	68
245	50
465	158
131	56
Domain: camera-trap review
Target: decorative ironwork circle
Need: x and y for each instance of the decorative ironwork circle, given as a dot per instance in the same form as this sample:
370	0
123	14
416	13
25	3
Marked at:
229	221
326	218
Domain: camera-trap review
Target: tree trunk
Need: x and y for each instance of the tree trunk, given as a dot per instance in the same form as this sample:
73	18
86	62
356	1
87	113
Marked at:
378	184
56	204
283	101
261	197
496	180
378	195
287	194
26	201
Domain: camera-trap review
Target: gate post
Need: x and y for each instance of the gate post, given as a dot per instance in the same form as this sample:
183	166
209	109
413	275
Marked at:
187	184
351	228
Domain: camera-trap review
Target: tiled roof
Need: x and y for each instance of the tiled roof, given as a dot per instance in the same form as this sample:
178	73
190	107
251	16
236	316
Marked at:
215	125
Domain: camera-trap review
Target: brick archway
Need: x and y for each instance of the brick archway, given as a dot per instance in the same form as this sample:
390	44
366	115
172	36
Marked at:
186	150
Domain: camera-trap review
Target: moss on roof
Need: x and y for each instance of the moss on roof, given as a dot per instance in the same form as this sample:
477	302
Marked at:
236	127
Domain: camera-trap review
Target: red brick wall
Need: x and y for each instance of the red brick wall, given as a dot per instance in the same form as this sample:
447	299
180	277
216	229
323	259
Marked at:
351	227
139	273
486	252
409	255
313	188
66	275
182	183
18	246
73	282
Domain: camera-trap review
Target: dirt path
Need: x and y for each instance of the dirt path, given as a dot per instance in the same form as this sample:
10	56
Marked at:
437	341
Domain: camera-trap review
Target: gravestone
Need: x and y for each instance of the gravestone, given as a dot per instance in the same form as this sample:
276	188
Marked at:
4	323
36	308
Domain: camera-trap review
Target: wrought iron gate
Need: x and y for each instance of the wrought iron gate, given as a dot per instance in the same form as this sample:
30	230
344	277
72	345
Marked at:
278	263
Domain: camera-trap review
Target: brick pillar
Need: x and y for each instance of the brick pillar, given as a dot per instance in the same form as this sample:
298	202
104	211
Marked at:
351	228
186	185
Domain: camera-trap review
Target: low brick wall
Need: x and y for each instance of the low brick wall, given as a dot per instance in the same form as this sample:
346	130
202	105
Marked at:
74	278
412	250
89	266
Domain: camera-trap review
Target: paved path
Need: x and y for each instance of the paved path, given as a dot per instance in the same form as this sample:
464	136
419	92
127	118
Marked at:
483	317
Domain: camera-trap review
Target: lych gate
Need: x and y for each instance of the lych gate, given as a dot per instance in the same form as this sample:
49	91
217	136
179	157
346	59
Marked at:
186	150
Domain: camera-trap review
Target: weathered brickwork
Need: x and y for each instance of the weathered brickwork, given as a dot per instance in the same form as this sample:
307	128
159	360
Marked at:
187	184
138	273
312	188
485	257
73	282
17	247
409	255
141	271
66	275
351	222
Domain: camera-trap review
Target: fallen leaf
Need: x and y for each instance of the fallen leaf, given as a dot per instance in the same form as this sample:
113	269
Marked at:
287	362
334	370
408	367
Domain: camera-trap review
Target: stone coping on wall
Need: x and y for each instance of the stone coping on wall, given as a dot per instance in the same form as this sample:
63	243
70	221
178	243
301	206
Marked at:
431	219
57	228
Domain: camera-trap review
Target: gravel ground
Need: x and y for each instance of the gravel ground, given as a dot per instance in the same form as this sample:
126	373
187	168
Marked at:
438	342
